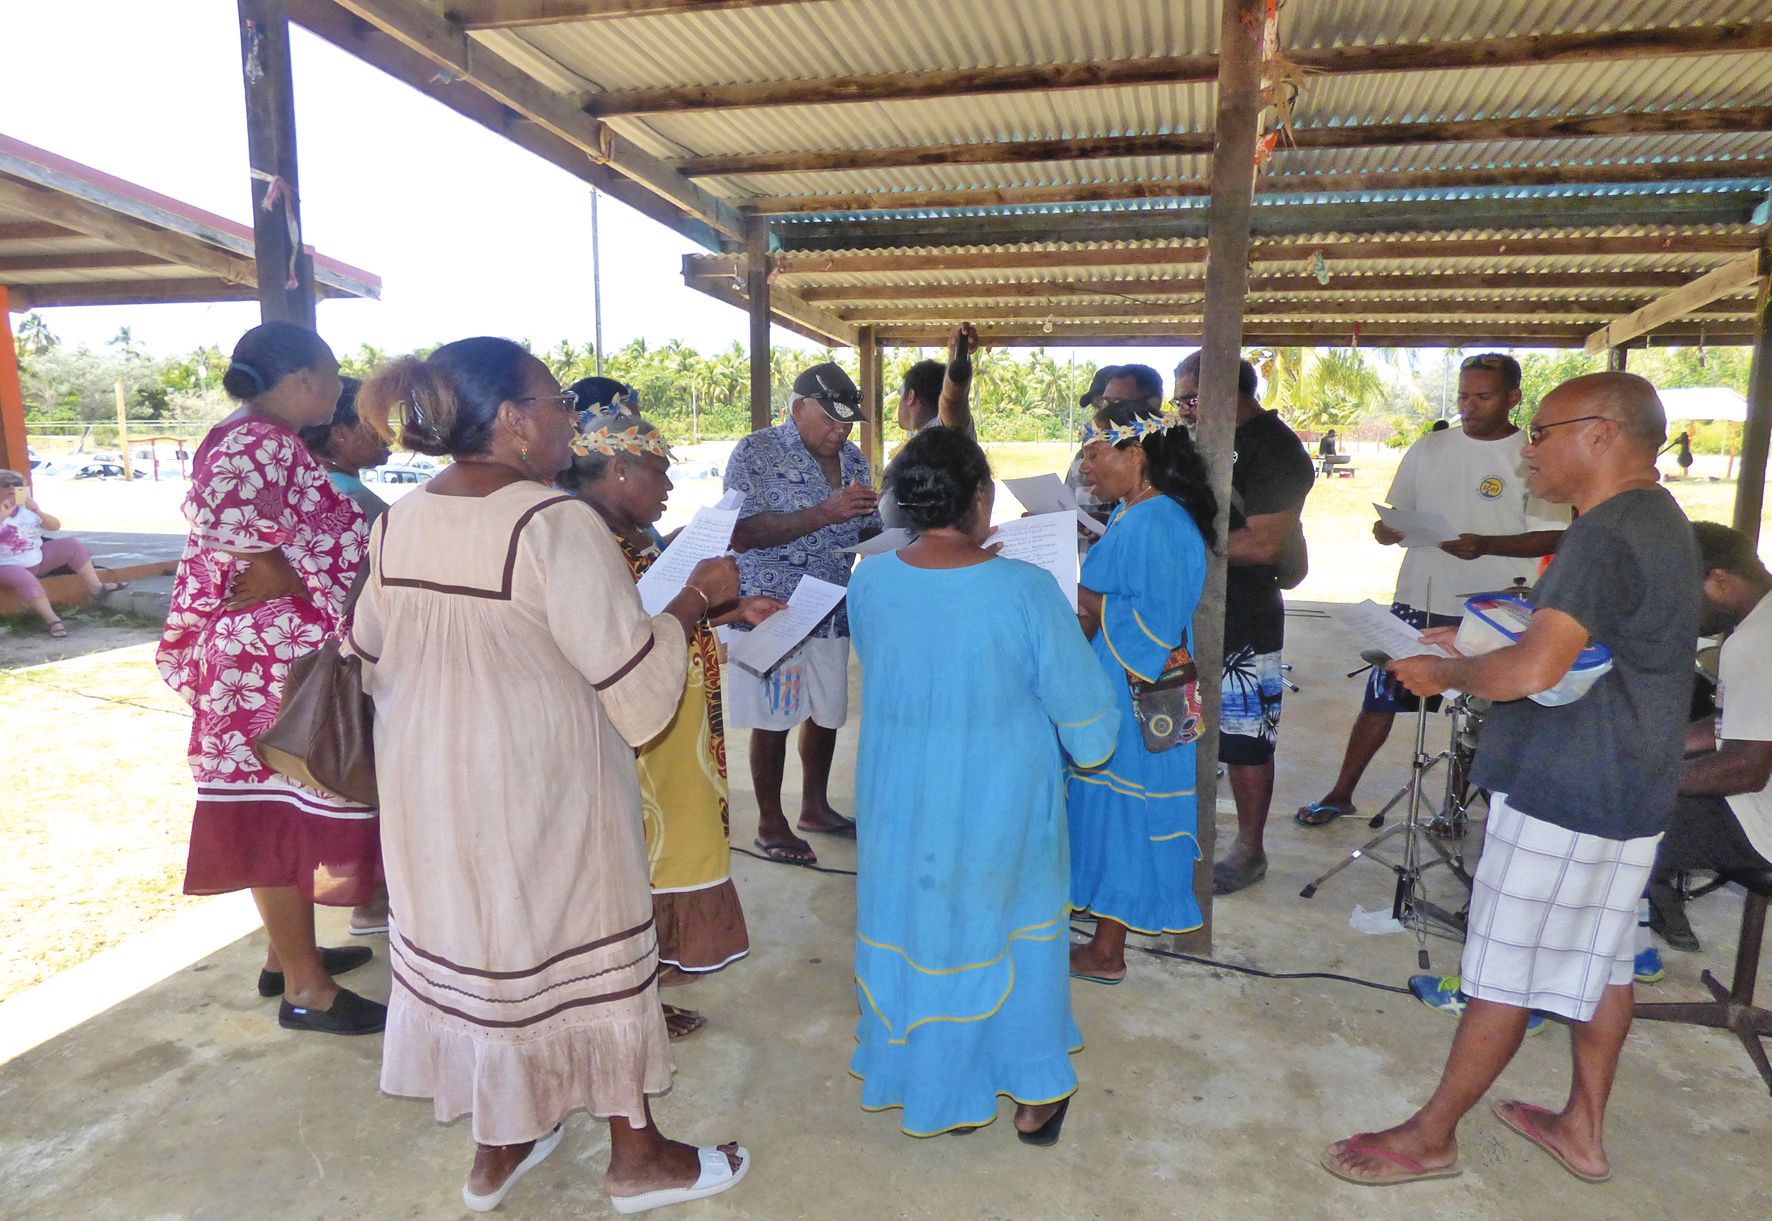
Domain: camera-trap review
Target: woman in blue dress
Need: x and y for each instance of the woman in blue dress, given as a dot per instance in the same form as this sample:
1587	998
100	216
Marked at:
1133	819
976	685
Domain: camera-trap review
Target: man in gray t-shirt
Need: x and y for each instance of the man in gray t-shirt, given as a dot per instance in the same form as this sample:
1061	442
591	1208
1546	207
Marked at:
1579	792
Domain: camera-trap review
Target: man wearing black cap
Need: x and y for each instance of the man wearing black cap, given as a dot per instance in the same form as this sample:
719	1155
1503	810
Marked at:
807	497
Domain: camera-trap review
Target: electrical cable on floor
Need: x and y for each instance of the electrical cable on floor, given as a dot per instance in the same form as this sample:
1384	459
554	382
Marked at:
1154	951
103	699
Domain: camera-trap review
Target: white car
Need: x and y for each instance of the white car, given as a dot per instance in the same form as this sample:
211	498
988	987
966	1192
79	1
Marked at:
398	474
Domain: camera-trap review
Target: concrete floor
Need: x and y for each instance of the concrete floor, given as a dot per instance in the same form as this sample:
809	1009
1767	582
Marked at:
1204	1092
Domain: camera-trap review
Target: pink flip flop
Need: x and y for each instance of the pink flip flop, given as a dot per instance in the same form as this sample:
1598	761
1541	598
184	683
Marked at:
1520	1120
1408	1170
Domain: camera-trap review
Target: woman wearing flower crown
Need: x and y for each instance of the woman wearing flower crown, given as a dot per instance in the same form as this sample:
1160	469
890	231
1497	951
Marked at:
1133	820
620	468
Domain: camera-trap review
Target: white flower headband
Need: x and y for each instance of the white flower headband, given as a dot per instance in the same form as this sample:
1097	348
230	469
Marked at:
1137	427
609	439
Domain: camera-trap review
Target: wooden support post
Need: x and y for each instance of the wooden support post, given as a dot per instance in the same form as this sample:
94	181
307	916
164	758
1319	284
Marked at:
756	277
14	454
123	431
1227	284
873	428
285	269
1750	480
1616	359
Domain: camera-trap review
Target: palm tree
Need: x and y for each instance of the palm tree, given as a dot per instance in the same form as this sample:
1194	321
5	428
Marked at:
33	336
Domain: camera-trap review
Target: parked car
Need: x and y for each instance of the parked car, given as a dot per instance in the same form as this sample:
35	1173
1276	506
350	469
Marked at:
688	472
398	474
101	469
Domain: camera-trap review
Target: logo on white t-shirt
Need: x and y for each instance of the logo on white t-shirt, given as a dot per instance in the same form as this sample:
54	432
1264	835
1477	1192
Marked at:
1491	488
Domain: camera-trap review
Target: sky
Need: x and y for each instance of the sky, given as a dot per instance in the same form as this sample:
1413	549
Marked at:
469	233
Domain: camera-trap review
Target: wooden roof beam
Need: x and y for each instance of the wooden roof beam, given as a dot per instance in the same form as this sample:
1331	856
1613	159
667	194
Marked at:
34	231
1309	334
80	260
936	262
515	14
1639	283
1271	184
1573	312
93	221
1187	69
814	322
1171	144
447	47
1727	280
141	292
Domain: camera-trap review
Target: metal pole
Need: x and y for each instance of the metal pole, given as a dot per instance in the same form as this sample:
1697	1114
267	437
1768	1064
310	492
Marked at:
1227	287
756	276
597	283
123	432
285	270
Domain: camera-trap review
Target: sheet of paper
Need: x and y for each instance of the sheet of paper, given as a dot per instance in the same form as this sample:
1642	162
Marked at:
709	533
764	645
1419	529
881	543
1378	629
734	499
1049	541
1049	494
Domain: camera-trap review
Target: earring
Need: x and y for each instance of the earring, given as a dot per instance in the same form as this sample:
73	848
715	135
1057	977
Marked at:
523	454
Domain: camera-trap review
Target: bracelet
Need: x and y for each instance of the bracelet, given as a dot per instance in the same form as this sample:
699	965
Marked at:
706	604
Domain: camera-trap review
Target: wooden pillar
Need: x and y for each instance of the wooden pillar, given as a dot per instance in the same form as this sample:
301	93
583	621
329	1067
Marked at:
1227	286
1616	359
285	269
873	429
756	281
1750	480
14	455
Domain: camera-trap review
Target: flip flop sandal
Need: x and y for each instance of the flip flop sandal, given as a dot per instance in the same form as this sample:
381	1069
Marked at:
696	1021
58	630
717	1175
1322	813
786	854
1046	1134
1520	1120
1408	1170
1107	981
111	587
537	1155
843	830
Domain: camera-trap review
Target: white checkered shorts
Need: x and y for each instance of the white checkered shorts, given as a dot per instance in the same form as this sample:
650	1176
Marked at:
1553	914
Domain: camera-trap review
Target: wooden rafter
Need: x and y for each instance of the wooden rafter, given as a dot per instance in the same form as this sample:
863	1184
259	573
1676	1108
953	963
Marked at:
1601	284
1450	309
448	48
80	260
93	221
34	231
514	14
1187	69
1309	334
139	292
1727	280
1334	250
1270	185
1169	144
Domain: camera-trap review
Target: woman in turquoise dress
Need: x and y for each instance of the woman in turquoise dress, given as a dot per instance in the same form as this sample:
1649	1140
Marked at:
976	685
1133	819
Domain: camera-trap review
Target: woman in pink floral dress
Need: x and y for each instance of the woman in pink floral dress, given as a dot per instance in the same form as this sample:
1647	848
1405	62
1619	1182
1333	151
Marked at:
272	554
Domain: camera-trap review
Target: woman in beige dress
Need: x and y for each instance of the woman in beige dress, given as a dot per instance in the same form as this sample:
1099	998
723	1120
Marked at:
514	673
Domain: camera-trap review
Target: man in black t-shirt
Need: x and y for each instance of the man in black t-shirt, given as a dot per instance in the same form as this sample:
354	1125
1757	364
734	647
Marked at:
1271	474
1580	786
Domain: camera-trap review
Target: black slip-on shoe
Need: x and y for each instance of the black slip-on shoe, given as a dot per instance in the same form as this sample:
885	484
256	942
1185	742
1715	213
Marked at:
350	1014
334	961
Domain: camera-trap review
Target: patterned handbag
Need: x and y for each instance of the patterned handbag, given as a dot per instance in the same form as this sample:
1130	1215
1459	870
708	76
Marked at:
1168	710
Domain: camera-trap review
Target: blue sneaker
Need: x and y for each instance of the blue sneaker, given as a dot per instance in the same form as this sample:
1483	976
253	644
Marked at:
1648	968
1443	994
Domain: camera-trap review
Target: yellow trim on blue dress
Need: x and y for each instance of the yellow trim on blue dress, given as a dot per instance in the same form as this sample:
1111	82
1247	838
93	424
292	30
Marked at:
1021	934
1123	786
1109	641
1139	619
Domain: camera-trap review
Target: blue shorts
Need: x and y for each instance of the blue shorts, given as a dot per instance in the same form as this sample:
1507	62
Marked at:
1249	710
1384	693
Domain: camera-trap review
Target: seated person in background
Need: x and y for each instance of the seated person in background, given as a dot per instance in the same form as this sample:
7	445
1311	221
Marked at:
1328	455
1723	816
26	555
1475	477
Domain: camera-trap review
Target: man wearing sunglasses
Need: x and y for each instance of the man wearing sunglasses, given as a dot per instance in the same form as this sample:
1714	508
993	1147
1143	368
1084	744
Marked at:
1475	478
1580	791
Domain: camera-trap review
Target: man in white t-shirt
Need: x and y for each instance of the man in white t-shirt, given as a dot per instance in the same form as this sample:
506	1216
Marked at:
1723	817
1475	478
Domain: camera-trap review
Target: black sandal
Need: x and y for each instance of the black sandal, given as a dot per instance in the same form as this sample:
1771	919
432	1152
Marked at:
334	962
350	1014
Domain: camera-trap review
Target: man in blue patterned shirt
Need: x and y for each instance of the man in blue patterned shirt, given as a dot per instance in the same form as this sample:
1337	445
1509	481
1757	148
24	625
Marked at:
807	496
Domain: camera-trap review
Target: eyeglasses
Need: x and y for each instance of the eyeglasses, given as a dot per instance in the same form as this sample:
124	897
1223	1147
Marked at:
1535	433
566	400
1190	401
